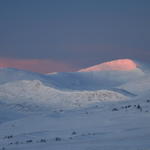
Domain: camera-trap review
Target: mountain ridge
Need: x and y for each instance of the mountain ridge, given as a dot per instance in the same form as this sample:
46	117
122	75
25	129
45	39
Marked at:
119	64
72	88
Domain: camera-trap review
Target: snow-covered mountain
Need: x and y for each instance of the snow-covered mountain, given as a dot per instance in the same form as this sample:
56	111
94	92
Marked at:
120	64
106	106
104	82
35	92
13	74
93	80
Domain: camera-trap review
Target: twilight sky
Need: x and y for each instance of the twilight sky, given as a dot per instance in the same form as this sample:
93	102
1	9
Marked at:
67	35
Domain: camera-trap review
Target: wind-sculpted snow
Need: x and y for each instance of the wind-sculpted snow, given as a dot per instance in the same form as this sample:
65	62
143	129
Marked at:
35	92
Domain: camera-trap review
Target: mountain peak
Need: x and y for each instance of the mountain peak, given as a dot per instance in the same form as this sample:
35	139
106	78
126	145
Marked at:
119	64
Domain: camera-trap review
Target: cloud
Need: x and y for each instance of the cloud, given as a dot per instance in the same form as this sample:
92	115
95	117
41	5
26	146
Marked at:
36	65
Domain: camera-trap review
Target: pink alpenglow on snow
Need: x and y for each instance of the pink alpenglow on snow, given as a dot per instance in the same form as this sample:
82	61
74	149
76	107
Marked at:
120	64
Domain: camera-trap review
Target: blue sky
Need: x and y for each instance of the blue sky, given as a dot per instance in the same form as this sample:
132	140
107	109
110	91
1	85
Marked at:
76	32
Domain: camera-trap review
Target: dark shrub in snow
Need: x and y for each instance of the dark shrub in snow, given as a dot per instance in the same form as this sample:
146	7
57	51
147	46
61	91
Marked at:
43	141
74	133
114	109
16	142
148	100
129	106
58	139
8	137
29	141
139	107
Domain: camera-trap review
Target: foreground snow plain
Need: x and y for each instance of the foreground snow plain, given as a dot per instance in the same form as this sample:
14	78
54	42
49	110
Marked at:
95	128
55	113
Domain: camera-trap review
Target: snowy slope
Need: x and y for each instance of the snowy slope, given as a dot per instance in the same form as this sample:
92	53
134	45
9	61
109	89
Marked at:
94	109
91	80
139	87
94	80
69	90
12	74
120	64
93	128
35	92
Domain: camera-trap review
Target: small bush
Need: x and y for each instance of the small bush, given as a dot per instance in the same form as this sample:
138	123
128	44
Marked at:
57	139
139	107
29	141
114	109
16	142
8	137
148	100
74	133
43	141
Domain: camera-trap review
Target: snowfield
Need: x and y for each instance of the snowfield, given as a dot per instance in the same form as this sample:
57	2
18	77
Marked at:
35	92
98	127
93	110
